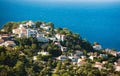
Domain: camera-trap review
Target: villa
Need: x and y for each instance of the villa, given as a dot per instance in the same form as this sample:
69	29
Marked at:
103	55
60	37
79	53
1	42
97	47
10	43
98	65
34	58
43	26
117	65
22	31
62	58
43	53
92	57
63	49
31	24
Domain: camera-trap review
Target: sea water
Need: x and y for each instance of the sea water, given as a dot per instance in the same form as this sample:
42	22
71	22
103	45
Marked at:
94	22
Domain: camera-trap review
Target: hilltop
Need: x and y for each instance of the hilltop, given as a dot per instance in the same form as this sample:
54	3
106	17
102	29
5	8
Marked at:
38	48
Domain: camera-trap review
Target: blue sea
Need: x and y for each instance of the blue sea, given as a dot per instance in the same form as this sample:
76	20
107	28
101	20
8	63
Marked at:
98	22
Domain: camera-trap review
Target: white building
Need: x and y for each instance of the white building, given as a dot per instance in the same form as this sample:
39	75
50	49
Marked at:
63	49
104	55
31	33
97	47
53	39
72	58
91	57
117	68
60	37
98	65
42	39
62	57
43	53
43	26
34	57
23	31
30	23
79	53
1	42
9	43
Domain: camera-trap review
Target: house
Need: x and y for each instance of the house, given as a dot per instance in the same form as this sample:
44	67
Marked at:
62	58
21	53
90	53
81	62
92	57
79	53
43	26
118	54
104	62
107	50
10	43
31	33
117	67
30	23
97	47
72	58
98	65
34	58
57	43
23	31
112	52
52	38
60	37
42	39
103	55
20	31
4	36
40	34
1	42
43	53
63	49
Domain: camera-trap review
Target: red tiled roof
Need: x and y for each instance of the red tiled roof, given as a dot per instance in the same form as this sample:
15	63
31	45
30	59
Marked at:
10	42
1	40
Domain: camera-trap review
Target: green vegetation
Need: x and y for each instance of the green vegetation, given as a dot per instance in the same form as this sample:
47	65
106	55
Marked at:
18	60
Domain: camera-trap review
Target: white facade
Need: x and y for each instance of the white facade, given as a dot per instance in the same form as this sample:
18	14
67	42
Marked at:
43	53
23	31
98	65
60	37
42	39
91	57
72	58
62	57
79	53
43	26
34	57
9	43
104	55
30	23
117	68
31	33
64	49
97	47
53	39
